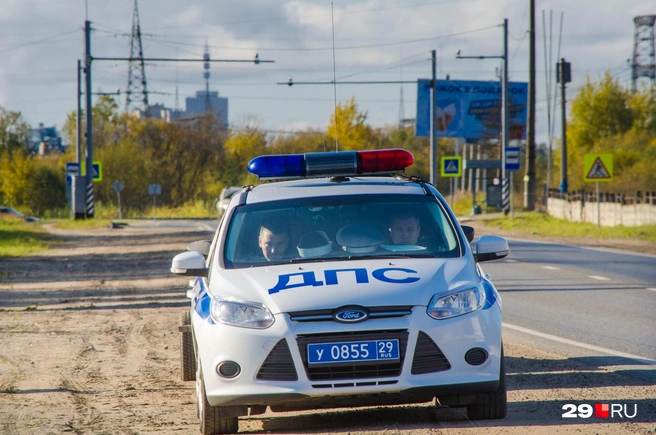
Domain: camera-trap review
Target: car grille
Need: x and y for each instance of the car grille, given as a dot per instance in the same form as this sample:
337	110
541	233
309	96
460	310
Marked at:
326	315
428	357
278	365
360	370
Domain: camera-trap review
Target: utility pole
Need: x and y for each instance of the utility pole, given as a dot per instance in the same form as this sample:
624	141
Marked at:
90	202
433	97
78	148
505	185
529	178
564	76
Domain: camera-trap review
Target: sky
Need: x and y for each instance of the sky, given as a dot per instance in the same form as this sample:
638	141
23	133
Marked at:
374	40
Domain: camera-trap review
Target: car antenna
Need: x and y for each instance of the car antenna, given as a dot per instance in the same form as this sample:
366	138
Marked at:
332	20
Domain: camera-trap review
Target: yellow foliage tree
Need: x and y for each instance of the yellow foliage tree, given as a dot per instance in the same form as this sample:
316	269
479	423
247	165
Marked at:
347	129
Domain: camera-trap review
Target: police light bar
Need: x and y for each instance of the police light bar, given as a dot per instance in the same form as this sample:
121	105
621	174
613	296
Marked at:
330	164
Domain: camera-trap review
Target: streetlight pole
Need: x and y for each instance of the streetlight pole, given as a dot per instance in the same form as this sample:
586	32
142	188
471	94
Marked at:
505	187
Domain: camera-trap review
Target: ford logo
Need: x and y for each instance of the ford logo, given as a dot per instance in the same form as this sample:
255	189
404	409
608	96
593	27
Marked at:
351	314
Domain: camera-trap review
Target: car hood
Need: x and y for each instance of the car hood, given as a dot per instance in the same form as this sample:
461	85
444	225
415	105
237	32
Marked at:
308	286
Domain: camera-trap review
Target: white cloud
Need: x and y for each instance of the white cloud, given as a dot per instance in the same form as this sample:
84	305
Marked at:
38	78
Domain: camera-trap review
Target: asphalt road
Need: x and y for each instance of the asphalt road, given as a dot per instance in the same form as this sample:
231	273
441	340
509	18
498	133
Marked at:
593	301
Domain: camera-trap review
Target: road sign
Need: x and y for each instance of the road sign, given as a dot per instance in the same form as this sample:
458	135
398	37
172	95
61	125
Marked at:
118	186
483	164
451	166
154	189
71	169
512	158
96	168
598	167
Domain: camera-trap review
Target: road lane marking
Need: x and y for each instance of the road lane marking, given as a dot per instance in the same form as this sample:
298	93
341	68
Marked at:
652	289
206	227
551	267
511	261
600	278
640	359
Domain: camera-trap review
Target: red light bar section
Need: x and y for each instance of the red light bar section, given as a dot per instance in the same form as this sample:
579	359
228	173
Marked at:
384	160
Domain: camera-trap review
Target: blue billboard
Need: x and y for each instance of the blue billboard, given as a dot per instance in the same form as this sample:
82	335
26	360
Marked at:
470	109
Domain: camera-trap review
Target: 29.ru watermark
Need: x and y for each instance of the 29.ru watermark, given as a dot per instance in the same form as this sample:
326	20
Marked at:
600	410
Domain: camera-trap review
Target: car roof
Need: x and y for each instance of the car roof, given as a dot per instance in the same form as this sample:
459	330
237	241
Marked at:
317	187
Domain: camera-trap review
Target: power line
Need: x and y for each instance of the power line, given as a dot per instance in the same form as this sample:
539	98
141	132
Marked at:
351	47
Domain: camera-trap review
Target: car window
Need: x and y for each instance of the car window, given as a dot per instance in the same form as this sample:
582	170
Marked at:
339	228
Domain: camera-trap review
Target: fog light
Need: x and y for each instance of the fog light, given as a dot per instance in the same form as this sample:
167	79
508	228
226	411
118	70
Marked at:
476	356
228	369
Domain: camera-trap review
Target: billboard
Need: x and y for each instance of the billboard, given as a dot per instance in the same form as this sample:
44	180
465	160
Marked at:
470	109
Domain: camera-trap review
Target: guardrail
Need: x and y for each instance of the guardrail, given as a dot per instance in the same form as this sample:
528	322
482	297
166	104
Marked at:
612	210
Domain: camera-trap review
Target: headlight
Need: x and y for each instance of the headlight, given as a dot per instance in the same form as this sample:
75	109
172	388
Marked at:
242	314
445	306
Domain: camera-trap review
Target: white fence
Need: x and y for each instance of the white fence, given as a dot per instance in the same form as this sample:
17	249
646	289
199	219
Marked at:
635	211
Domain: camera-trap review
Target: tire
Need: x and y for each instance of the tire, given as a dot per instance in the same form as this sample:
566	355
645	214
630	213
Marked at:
187	354
495	405
210	417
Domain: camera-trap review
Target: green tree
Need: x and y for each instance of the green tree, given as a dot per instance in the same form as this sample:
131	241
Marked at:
14	131
605	117
240	148
599	110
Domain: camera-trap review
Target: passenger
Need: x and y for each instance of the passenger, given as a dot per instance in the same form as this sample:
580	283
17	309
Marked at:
274	240
404	229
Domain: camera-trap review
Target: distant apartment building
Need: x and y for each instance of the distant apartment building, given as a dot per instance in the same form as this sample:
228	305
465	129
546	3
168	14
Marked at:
44	140
199	105
205	102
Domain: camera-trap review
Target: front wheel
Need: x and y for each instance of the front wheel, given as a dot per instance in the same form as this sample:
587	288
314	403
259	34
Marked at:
212	421
495	405
187	354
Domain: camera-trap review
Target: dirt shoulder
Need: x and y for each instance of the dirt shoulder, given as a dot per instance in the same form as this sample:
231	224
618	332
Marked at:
89	345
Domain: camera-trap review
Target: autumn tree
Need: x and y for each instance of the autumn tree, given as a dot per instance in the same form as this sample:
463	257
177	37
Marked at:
347	128
605	117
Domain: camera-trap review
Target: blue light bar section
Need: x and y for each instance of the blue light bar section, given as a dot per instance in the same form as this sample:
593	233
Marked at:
278	166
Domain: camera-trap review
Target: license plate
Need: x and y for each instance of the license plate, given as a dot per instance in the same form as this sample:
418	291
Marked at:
371	350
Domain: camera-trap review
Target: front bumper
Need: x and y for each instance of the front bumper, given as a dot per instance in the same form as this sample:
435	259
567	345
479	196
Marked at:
274	369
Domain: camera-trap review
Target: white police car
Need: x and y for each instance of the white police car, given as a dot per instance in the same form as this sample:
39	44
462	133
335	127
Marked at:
340	283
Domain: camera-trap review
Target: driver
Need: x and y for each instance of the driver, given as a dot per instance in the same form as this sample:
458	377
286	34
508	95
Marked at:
404	229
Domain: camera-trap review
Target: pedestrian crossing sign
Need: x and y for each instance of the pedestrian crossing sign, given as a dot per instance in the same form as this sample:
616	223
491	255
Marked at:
598	167
96	171
451	166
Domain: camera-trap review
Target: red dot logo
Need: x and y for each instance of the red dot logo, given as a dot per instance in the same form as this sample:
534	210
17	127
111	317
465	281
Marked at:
601	410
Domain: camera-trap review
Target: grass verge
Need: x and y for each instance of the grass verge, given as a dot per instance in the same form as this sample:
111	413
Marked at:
19	238
541	224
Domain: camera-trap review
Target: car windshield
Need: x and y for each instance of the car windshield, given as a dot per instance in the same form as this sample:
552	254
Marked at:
339	228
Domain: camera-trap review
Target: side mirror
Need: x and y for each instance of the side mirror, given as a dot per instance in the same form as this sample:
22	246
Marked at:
189	264
202	246
469	232
491	248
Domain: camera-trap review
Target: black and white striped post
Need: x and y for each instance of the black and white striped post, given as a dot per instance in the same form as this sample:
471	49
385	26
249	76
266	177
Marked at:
89	160
505	185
